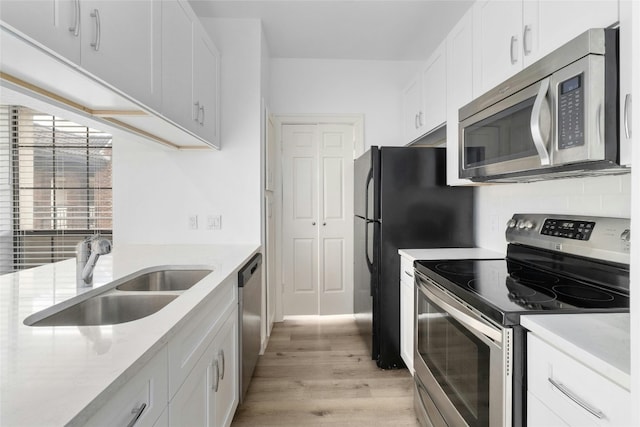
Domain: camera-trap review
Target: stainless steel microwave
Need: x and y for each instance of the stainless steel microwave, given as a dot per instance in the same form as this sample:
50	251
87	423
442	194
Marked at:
558	117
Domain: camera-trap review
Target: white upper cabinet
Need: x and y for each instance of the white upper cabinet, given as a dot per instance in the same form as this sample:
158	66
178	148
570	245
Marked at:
424	99
190	73
121	45
626	60
497	27
548	25
434	90
510	35
459	88
177	64
53	23
145	66
205	89
411	109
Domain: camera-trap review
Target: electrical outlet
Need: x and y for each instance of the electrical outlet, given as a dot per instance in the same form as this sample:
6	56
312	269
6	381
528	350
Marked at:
214	222
193	222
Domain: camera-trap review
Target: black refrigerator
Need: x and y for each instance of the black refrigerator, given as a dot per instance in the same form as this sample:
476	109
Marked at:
401	201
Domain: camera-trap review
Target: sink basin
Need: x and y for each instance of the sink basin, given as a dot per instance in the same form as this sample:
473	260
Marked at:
105	310
164	280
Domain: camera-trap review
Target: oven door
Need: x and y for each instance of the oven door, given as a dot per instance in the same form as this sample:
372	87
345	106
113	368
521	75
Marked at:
462	361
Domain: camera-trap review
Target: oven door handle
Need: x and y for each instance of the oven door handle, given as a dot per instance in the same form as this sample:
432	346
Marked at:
467	320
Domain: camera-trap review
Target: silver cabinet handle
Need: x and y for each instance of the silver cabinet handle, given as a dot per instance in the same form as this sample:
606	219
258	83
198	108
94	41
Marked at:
539	114
196	116
137	413
512	46
313	223
76	19
324	224
415	121
627	113
408	274
571	395
202	120
96	44
221	354
420	121
526	48
216	377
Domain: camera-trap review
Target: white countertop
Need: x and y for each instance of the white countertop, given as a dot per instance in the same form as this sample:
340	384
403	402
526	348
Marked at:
600	341
449	253
50	375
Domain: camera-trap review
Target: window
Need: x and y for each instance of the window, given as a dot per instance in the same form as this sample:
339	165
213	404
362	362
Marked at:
55	187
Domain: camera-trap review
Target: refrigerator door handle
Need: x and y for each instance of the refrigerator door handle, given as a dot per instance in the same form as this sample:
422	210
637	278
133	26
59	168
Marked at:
366	194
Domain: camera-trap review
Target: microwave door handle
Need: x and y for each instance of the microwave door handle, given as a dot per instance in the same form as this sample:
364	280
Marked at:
539	114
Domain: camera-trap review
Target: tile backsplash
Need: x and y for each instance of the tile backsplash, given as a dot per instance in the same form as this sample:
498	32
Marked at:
596	196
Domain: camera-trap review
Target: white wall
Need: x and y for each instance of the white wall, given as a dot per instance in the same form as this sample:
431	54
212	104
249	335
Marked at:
155	190
597	196
317	86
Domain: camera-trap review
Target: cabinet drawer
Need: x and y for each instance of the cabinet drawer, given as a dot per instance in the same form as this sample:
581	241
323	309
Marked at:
406	270
190	343
610	404
144	397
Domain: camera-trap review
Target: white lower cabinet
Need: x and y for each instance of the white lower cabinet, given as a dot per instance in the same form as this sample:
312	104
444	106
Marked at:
563	391
406	312
141	400
209	395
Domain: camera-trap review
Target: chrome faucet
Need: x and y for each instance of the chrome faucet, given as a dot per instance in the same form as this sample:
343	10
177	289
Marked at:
87	253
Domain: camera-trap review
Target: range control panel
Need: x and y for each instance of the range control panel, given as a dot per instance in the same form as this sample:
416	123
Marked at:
604	238
569	229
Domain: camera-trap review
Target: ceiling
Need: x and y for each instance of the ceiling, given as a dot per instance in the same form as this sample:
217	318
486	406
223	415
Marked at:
395	30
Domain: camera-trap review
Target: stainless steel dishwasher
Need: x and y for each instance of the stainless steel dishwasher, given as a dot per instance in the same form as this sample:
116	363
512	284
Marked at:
250	312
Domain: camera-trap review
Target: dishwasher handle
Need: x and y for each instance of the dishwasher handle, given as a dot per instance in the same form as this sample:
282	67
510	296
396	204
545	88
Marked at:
250	269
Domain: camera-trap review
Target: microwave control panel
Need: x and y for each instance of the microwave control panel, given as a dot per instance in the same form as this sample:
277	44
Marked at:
571	113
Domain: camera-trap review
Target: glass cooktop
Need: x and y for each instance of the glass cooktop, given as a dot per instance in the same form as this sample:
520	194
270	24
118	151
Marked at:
505	289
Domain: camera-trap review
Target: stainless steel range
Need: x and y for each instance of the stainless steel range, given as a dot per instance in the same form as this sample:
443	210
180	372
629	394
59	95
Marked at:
470	350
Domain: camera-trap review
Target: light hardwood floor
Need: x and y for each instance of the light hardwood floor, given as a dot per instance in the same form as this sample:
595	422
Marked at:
319	372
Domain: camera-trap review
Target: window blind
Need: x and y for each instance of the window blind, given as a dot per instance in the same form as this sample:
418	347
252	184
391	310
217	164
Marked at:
55	187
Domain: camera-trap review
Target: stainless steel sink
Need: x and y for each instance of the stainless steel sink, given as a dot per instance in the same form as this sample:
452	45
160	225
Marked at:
106	310
164	280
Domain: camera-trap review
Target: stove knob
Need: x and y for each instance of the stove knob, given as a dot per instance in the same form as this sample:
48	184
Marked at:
529	224
511	223
626	235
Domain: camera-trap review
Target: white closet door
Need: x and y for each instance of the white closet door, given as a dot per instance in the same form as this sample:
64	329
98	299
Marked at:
300	218
317	219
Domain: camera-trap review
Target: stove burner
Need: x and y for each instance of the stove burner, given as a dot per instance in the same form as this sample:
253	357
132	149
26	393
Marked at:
530	295
462	268
583	293
534	277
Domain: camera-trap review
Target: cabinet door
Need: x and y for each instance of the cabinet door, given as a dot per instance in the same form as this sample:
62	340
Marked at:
225	398
411	109
497	30
53	23
190	405
177	65
121	45
460	74
548	25
626	76
434	90
205	88
143	398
